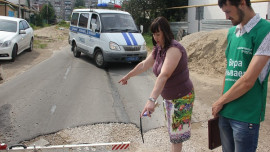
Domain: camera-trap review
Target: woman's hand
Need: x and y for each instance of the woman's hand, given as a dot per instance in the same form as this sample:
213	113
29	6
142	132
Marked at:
124	80
149	108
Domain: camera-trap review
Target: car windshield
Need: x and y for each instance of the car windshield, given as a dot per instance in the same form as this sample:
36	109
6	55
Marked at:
118	23
8	26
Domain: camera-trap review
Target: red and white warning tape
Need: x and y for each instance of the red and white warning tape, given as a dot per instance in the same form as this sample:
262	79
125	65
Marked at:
118	146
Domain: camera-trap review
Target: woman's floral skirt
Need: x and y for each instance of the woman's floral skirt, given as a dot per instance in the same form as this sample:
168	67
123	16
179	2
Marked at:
178	115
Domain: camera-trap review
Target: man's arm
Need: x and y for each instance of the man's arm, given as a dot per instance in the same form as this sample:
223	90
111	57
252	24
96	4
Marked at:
242	85
223	84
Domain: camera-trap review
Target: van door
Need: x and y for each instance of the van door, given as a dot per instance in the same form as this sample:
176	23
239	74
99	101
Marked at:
74	27
83	38
94	32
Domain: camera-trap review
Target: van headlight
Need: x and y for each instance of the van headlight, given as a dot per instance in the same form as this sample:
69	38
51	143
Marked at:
114	46
144	46
6	43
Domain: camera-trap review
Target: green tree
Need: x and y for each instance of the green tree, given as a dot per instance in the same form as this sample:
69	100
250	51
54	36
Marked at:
48	14
38	20
175	14
79	3
140	11
144	11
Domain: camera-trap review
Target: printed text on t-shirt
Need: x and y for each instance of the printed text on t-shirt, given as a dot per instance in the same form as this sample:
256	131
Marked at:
235	63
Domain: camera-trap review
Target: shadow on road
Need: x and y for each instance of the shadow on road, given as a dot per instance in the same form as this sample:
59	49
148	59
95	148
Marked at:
111	66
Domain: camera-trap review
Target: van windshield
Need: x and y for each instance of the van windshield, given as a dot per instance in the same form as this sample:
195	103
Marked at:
113	23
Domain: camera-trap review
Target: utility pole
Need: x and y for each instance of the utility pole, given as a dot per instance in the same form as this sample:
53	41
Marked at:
268	13
5	8
19	14
47	12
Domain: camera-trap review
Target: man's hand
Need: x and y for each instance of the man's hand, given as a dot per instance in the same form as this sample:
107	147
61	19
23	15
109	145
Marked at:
216	107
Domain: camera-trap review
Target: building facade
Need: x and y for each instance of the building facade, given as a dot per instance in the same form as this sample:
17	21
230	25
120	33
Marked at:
213	14
7	9
63	8
91	3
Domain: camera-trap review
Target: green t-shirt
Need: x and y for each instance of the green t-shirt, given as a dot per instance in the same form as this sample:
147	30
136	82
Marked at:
250	107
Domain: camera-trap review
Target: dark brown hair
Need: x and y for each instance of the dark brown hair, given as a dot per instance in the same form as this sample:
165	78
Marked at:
161	23
232	2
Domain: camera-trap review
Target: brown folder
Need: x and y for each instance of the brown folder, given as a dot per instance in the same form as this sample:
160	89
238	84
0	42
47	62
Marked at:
213	133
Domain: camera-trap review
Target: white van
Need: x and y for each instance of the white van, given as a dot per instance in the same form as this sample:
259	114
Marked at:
106	35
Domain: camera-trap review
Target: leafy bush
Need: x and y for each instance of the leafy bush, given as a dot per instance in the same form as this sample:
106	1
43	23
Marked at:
63	24
148	39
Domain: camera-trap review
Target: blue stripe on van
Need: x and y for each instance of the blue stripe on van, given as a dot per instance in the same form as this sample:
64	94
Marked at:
94	34
126	38
72	28
133	39
84	31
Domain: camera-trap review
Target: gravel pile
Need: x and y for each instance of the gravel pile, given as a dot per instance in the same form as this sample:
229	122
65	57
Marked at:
155	140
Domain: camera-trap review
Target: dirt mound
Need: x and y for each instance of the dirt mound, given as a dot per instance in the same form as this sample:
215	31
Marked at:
206	51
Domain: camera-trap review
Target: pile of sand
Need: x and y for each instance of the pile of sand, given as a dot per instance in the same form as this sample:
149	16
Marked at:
206	51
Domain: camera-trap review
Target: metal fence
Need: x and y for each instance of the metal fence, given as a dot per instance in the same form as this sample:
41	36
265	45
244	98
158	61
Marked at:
176	26
215	24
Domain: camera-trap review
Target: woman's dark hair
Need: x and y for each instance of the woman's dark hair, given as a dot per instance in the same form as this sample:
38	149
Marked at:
232	2
161	23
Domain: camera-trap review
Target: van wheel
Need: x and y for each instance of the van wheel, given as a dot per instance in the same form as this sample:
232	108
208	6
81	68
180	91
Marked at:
99	59
76	53
14	53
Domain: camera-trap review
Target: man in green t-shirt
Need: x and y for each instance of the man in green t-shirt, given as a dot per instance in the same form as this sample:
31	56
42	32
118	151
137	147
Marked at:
241	108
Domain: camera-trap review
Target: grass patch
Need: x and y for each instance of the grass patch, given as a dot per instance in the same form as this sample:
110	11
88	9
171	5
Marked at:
148	39
63	24
35	27
39	44
43	46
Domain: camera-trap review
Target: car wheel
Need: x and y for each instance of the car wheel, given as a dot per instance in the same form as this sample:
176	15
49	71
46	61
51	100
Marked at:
31	46
14	53
99	59
76	53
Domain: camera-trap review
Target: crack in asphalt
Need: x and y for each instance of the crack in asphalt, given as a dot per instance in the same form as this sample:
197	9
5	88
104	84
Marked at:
119	108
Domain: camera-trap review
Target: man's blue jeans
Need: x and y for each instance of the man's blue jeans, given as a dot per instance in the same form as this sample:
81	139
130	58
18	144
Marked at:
237	136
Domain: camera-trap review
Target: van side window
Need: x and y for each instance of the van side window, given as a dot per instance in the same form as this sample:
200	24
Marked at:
95	20
74	19
83	20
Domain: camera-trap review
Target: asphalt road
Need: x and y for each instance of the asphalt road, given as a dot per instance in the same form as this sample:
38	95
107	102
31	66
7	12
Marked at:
64	92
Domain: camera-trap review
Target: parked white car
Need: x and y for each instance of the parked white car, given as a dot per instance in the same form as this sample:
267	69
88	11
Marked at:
16	36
